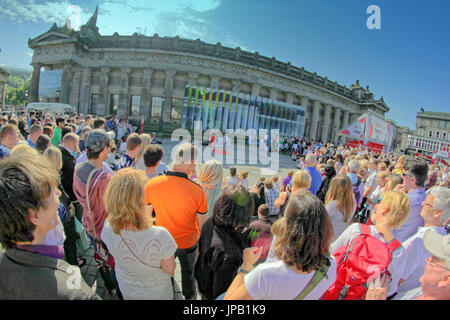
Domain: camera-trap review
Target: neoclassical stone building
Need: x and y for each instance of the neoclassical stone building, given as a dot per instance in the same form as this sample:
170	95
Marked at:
139	75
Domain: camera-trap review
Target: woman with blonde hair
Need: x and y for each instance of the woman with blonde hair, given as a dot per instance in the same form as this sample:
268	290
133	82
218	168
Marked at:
391	213
210	178
392	181
300	181
340	203
21	150
143	253
146	141
399	166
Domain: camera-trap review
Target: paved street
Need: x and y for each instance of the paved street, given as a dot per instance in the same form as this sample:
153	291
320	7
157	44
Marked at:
90	271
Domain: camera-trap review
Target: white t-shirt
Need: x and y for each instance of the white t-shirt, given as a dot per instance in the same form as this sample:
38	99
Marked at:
275	281
398	266
138	281
244	183
276	186
232	180
337	218
371	182
416	255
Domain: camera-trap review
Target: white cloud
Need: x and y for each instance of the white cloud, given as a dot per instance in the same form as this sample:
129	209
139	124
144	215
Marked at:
185	18
28	10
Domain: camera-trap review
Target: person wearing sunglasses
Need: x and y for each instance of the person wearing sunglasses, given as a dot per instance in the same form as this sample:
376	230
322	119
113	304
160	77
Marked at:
436	213
415	172
435	281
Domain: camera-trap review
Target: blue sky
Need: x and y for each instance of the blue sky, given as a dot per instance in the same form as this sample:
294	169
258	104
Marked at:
407	61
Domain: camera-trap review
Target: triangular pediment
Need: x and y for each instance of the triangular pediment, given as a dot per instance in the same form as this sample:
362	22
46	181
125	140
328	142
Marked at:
50	36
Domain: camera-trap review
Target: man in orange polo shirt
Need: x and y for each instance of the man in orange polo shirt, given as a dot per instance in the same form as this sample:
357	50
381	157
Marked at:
181	207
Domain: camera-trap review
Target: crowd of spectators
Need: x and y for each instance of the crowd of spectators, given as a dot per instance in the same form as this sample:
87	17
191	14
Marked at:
275	239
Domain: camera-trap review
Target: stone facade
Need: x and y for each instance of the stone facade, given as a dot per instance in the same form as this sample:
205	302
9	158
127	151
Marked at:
432	134
433	125
146	76
3	77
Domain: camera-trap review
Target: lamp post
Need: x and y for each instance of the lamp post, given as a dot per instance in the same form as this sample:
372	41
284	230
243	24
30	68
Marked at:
26	97
58	92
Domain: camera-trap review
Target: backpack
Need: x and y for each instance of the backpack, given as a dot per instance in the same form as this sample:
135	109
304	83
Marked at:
363	259
261	239
356	191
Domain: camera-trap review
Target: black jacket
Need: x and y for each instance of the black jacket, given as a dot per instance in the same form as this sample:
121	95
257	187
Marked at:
68	168
32	276
220	256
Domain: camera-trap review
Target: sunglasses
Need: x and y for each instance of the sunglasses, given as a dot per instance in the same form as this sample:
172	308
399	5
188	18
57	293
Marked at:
430	261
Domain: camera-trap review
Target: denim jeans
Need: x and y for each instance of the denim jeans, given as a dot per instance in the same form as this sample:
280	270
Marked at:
188	258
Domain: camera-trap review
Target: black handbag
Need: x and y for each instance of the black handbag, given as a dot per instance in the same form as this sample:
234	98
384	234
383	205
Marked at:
362	216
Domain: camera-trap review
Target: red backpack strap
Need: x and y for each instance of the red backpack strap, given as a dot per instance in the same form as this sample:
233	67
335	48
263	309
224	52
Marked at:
394	245
365	229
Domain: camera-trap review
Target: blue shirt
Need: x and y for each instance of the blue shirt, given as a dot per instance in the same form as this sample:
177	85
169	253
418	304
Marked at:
31	144
415	220
316	179
125	162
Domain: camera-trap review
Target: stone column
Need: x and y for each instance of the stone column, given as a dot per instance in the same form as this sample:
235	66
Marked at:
235	86
273	94
336	123
75	90
168	89
65	83
124	97
34	90
145	93
327	123
307	127
345	121
85	90
214	82
289	98
315	120
192	82
103	95
255	89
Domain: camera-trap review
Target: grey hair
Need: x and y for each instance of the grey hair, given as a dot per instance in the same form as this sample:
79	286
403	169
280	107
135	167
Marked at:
354	165
311	159
441	201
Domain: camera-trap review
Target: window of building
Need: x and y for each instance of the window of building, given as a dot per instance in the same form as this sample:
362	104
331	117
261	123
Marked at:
94	103
177	109
134	107
114	104
157	103
430	134
438	135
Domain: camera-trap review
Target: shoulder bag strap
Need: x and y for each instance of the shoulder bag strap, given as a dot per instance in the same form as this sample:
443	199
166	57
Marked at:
319	274
394	245
88	183
365	229
134	254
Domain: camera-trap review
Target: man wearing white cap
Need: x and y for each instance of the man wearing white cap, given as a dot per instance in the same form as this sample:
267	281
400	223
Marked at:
435	281
436	213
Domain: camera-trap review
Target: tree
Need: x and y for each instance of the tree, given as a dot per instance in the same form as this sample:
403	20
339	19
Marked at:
18	96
